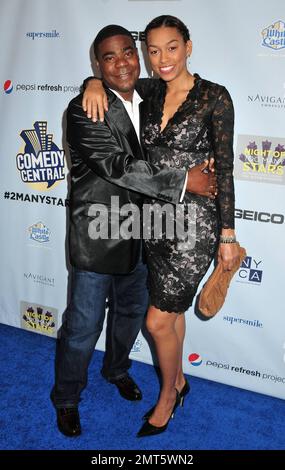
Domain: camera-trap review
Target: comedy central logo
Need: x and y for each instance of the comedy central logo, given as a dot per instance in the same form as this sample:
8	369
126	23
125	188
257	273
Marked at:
274	36
41	161
260	159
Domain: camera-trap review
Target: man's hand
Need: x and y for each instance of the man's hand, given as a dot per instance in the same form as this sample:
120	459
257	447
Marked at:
202	180
94	101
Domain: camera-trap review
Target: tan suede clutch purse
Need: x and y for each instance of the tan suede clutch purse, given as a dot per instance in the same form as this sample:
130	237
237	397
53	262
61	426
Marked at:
213	294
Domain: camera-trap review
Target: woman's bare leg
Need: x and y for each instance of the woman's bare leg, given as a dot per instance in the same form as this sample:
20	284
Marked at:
180	331
161	326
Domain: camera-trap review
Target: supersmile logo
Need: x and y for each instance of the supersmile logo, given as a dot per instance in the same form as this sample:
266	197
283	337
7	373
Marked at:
41	163
8	87
54	34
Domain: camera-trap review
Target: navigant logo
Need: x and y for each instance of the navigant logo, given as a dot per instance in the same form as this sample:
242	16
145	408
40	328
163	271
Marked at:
40	279
274	35
195	359
250	271
39	318
39	233
41	163
267	101
8	87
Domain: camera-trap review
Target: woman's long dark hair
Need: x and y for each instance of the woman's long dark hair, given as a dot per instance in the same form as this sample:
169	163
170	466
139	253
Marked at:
168	21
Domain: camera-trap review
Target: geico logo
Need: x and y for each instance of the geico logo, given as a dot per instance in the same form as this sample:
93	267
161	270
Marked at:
259	216
138	35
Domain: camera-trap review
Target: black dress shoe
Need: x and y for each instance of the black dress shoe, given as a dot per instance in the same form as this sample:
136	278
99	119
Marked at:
128	389
149	429
185	390
68	421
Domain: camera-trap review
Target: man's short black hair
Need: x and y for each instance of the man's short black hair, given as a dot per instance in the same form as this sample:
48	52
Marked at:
109	31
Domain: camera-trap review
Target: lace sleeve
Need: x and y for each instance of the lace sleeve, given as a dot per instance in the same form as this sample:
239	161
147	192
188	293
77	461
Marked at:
222	125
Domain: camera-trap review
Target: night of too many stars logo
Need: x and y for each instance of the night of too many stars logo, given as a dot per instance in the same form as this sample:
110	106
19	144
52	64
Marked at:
40	162
39	318
260	159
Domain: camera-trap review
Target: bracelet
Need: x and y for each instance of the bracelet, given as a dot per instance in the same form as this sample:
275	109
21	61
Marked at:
228	239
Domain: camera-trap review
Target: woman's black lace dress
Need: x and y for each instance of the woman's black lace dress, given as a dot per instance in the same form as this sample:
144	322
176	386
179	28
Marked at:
201	128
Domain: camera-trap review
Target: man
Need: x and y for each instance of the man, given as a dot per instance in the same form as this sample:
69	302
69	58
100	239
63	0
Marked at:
107	161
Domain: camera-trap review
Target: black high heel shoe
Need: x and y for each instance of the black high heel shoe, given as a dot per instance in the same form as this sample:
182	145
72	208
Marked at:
148	429
185	390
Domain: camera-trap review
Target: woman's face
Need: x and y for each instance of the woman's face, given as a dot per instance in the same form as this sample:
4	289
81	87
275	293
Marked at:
168	52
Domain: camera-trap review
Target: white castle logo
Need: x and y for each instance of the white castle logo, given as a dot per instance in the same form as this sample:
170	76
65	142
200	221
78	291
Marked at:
39	232
274	35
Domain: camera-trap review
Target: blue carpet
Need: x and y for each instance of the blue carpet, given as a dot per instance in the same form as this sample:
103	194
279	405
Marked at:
215	416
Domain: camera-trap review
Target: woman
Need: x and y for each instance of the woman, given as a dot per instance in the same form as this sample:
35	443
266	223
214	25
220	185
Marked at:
186	120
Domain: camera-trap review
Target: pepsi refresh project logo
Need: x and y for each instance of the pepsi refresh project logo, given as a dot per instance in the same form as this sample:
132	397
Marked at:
195	359
26	87
41	163
8	87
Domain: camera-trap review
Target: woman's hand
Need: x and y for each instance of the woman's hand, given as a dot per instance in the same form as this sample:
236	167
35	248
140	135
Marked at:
228	253
95	102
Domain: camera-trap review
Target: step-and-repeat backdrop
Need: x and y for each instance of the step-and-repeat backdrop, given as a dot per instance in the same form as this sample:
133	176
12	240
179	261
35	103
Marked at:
45	56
